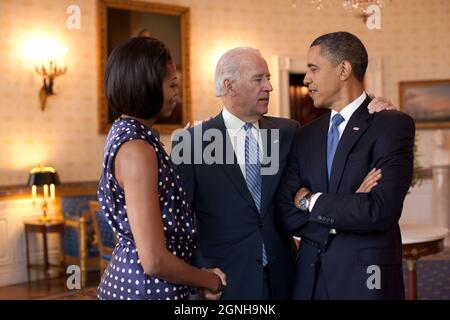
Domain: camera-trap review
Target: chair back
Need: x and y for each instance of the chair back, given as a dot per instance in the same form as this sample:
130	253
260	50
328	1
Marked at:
75	207
78	228
79	234
106	239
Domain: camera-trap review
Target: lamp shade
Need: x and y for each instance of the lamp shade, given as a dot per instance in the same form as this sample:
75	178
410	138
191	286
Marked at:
40	176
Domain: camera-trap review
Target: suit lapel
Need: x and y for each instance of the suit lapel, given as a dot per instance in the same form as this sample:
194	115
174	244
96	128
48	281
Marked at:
232	171
354	129
267	185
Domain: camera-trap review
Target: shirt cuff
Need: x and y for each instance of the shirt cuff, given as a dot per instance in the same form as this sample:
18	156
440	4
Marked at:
313	200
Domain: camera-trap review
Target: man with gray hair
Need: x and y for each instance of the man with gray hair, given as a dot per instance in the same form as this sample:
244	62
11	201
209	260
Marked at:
233	201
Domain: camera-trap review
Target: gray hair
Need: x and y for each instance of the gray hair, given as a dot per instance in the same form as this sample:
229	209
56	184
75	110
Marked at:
228	67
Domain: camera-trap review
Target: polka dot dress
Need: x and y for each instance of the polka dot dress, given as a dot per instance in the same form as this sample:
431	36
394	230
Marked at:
124	278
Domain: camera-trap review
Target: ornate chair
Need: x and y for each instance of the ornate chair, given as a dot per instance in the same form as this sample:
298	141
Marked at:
79	245
105	237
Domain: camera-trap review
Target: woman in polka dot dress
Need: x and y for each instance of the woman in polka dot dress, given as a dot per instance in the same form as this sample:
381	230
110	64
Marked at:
139	191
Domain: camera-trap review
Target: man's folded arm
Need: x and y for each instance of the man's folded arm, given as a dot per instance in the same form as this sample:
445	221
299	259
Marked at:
288	216
377	210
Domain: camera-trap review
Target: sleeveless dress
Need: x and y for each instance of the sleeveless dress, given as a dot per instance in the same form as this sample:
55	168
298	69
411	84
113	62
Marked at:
124	278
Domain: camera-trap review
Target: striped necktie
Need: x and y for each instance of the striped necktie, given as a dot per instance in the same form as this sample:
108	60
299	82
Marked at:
253	173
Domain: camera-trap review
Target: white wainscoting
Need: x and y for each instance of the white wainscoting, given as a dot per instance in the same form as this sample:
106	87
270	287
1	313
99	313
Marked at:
417	207
12	242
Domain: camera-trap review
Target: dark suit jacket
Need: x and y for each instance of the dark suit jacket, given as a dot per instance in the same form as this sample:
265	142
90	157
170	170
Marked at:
230	229
367	223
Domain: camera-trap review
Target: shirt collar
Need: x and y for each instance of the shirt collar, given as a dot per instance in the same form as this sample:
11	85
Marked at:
349	109
233	123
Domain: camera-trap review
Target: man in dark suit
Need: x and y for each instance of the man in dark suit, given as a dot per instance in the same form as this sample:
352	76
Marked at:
231	193
350	237
219	162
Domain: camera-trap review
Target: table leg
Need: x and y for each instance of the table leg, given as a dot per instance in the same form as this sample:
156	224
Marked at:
63	254
412	279
28	254
46	263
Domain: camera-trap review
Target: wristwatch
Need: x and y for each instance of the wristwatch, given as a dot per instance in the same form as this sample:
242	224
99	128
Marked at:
303	203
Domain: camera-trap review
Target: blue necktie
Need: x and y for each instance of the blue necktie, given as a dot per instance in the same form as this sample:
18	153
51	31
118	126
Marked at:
333	140
253	173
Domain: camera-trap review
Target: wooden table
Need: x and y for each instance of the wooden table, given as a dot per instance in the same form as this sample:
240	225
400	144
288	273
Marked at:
419	241
38	226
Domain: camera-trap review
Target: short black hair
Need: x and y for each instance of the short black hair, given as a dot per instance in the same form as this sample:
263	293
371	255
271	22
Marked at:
134	77
340	46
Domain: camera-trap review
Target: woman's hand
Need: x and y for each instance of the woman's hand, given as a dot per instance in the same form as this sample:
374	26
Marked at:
215	294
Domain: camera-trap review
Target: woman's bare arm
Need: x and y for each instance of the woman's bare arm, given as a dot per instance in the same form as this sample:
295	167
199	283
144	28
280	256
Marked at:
136	169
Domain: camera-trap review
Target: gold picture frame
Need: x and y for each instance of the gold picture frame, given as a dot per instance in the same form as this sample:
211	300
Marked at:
427	102
119	19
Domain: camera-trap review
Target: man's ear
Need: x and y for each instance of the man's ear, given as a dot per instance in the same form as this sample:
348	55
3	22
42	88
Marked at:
344	70
228	85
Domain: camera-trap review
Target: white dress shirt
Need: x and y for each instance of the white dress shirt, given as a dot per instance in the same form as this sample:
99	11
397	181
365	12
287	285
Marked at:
346	113
236	131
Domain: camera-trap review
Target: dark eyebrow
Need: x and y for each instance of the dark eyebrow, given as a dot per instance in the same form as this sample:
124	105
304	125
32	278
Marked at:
311	65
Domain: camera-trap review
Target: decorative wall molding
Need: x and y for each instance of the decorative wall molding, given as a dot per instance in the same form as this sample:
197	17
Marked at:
373	80
5	254
13	212
418	204
17	273
12	251
65	189
285	66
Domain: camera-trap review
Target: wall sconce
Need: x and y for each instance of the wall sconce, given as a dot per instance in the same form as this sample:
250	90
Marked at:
47	178
48	76
45	53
